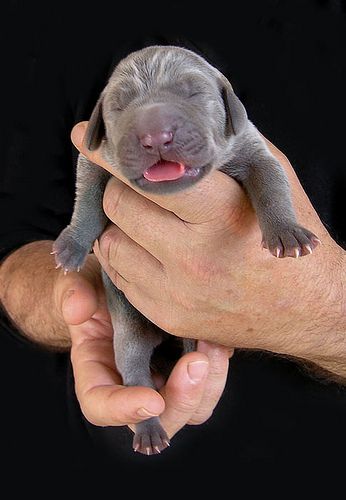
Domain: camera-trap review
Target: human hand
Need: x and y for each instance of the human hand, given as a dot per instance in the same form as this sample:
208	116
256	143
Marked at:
184	399
201	248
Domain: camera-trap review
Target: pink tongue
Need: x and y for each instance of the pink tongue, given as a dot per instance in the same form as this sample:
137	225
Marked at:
164	171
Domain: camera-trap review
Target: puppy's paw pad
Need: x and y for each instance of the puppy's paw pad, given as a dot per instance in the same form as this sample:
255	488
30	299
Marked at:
69	254
291	241
150	437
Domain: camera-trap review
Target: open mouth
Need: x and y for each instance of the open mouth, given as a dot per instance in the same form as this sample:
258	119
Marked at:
169	175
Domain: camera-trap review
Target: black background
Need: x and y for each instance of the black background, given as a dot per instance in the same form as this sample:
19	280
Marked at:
286	61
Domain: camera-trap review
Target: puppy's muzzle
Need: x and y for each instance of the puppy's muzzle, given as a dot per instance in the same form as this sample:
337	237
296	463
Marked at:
155	127
163	148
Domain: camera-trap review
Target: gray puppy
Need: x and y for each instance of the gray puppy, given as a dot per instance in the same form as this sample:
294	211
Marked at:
165	119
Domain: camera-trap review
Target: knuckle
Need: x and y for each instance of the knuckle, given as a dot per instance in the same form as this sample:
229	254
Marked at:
187	406
199	417
108	241
119	281
201	268
89	414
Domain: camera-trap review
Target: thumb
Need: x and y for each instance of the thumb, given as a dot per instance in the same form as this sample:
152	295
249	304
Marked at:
76	299
184	390
214	196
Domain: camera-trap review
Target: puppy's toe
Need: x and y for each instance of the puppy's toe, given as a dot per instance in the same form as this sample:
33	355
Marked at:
290	241
150	438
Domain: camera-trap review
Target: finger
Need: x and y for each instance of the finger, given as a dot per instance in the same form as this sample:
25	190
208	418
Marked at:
76	297
152	226
145	222
184	391
123	259
213	196
215	383
131	268
103	400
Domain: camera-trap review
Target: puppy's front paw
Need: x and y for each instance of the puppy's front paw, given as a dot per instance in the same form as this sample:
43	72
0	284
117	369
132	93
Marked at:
290	241
150	437
69	254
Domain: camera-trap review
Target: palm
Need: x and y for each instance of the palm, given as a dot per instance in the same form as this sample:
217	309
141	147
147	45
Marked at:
92	349
102	397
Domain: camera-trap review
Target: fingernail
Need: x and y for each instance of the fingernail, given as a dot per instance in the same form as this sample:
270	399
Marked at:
142	412
197	370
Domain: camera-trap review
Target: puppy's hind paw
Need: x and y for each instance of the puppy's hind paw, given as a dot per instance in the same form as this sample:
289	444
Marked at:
150	437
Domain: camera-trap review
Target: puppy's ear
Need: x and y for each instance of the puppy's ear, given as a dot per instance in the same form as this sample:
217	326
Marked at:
96	127
236	116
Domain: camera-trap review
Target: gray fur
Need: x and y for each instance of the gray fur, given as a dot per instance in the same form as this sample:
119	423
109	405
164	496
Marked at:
168	103
88	219
136	339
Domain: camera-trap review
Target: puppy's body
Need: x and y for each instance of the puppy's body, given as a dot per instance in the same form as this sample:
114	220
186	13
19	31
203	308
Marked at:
165	120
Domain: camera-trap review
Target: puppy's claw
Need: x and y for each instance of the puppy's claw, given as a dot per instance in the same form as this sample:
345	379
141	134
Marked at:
57	266
296	253
316	240
308	248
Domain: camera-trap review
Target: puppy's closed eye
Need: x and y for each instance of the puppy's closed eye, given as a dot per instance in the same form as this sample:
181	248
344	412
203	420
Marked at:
195	94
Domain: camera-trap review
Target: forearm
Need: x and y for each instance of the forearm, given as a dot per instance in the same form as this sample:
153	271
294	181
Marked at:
27	283
328	343
319	340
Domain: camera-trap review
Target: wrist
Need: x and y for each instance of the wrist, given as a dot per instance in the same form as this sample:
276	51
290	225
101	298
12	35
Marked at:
322	339
27	281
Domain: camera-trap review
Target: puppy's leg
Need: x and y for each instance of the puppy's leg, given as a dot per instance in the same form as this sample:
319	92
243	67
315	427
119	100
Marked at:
135	338
266	184
88	220
189	345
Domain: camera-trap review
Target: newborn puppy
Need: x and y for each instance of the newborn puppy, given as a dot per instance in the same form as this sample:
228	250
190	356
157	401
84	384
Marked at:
165	119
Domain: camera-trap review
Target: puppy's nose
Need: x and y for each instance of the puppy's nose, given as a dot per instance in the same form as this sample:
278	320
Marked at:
158	140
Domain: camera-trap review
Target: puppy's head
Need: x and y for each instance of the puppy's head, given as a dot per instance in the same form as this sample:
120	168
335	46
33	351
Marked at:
166	118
